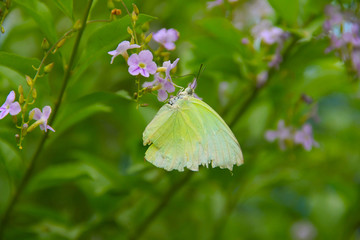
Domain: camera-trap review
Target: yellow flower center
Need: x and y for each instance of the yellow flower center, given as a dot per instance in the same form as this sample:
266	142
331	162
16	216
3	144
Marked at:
142	65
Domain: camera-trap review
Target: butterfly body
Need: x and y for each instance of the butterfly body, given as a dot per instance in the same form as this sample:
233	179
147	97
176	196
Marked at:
186	133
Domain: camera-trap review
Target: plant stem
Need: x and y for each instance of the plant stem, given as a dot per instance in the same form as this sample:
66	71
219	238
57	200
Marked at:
35	157
141	229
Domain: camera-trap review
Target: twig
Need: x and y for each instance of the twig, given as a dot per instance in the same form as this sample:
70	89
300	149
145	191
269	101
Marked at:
35	157
141	229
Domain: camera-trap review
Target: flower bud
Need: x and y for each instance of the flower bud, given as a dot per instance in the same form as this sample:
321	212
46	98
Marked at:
148	38
60	43
130	31
45	44
144	105
21	98
21	90
29	81
156	88
136	9
116	12
48	67
77	25
2	29
17	138
31	116
24	129
134	16
34	93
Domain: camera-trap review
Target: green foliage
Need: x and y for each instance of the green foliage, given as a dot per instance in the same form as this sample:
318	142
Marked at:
91	181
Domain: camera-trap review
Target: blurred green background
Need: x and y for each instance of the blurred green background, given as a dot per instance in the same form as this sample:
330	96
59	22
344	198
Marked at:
91	180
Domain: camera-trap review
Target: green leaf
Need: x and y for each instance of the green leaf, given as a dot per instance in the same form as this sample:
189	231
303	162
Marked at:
58	175
42	15
287	10
18	63
104	39
81	109
124	94
66	6
224	32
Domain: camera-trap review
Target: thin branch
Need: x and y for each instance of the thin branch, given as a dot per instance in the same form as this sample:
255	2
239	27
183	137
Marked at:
141	229
40	147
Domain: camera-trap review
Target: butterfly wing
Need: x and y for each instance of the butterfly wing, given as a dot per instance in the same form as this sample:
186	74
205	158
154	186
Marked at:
188	134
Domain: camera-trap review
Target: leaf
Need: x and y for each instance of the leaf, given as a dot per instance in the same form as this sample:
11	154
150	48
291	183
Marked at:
81	109
287	10
20	64
42	15
58	175
105	39
224	32
66	6
124	94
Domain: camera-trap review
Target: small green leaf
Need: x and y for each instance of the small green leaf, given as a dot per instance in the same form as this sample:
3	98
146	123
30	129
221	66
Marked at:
42	15
18	63
58	175
287	10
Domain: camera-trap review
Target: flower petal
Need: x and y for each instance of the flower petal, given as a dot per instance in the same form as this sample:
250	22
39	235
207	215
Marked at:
10	98
144	72
37	115
4	113
145	56
134	70
169	45
46	112
162	95
151	67
14	108
50	128
133	60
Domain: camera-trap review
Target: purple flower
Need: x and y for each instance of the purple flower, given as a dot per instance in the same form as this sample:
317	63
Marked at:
122	50
282	133
267	33
165	86
193	85
169	66
166	37
343	29
10	106
42	117
245	41
270	35
305	137
142	64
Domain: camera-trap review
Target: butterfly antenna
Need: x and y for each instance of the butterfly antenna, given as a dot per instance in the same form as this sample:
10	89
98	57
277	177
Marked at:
201	70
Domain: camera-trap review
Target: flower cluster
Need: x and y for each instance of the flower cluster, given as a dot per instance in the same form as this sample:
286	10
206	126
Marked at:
287	134
343	29
145	64
13	108
268	34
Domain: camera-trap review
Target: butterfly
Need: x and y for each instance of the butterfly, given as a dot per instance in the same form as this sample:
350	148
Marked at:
187	133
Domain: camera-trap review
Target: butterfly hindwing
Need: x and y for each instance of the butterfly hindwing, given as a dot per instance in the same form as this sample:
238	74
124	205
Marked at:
190	133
